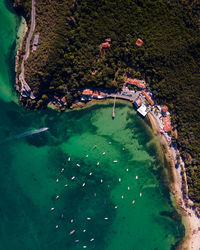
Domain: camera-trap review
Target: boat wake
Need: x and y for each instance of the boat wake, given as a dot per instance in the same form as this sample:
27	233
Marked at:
28	133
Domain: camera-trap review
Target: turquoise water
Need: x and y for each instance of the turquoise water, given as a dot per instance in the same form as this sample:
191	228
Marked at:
98	202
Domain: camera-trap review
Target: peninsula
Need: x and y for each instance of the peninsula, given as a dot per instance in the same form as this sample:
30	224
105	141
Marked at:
86	50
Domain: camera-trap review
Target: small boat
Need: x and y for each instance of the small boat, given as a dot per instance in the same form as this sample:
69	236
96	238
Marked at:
52	208
122	197
57	197
116	206
97	163
123	149
72	221
95	146
76	241
104	153
57	180
119	179
83	184
84	246
128	188
62	170
136	177
127	170
115	161
84	230
86	156
95	194
92	239
106	218
101	180
133	202
69	159
62	216
73	177
110	142
140	194
66	185
88	218
56	226
90	173
78	165
72	232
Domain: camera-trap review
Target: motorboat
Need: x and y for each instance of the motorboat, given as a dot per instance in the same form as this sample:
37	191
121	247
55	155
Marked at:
57	180
88	218
97	163
73	177
57	197
62	170
103	153
133	202
83	184
90	173
78	165
52	208
86	156
106	218
72	232
119	179
69	159
140	194
92	239
115	161
136	177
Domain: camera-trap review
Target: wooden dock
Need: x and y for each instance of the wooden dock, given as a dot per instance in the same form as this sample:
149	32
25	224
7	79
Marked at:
113	112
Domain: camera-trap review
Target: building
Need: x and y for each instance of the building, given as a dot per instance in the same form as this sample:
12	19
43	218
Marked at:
164	109
135	82
35	42
148	97
137	103
167	123
143	110
139	42
108	40
105	45
86	95
95	95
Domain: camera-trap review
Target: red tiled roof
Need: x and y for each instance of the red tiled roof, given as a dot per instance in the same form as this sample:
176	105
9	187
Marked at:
138	101
87	92
164	109
167	124
105	45
108	39
136	83
148	97
95	94
103	94
139	42
63	99
55	97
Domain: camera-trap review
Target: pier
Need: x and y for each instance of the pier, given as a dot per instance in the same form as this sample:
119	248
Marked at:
113	112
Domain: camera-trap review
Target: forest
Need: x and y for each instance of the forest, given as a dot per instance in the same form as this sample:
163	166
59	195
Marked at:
69	58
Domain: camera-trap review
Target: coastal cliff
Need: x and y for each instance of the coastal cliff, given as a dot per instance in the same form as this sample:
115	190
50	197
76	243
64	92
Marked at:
69	58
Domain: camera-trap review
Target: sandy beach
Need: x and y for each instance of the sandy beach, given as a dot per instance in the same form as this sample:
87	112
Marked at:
189	217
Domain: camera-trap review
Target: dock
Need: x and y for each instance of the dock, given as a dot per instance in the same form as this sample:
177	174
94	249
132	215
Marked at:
113	112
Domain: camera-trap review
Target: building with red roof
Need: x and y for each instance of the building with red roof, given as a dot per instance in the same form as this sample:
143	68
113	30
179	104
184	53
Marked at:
167	123
164	109
108	39
63	99
137	103
135	82
105	45
95	94
139	42
148	97
87	92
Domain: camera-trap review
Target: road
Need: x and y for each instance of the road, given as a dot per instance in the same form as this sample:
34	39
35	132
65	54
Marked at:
25	89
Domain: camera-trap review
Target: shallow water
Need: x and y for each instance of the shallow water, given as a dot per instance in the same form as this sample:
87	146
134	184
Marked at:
31	165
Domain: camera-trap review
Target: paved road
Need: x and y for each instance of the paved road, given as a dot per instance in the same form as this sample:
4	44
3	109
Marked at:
131	98
25	89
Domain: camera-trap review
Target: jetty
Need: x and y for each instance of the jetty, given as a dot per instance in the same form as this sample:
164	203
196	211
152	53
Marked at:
113	112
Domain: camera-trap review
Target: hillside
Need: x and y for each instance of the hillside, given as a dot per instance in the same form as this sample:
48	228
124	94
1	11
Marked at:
69	59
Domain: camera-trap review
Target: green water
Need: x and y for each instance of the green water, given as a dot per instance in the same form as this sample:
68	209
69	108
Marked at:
30	166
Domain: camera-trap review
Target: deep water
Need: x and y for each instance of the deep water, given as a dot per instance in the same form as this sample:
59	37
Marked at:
98	202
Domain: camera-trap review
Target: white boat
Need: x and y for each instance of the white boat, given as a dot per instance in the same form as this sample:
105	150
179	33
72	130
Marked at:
128	188
62	170
52	208
72	232
106	218
104	153
136	177
97	163
90	173
84	246
84	230
110	142
123	149
122	197
72	220
76	241
86	156
101	180
57	197
127	170
115	161
69	159
66	185
92	239
83	184
133	202
88	218
119	179
116	206
73	177
56	226
78	165
140	194
57	180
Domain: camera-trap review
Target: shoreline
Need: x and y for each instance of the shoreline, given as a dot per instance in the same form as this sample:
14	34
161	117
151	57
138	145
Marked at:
190	220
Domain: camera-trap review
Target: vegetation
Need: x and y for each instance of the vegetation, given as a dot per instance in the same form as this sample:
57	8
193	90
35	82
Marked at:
69	58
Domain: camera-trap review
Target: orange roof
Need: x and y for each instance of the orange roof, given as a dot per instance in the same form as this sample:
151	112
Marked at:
139	42
103	94
105	45
135	82
138	101
95	94
108	39
167	124
87	92
148	97
63	99
164	109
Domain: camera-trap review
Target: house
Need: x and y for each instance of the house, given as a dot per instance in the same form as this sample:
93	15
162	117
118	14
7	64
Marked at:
164	109
148	97
135	82
86	95
108	40
95	95
102	95
35	42
105	45
139	42
137	103
143	110
167	123
63	100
